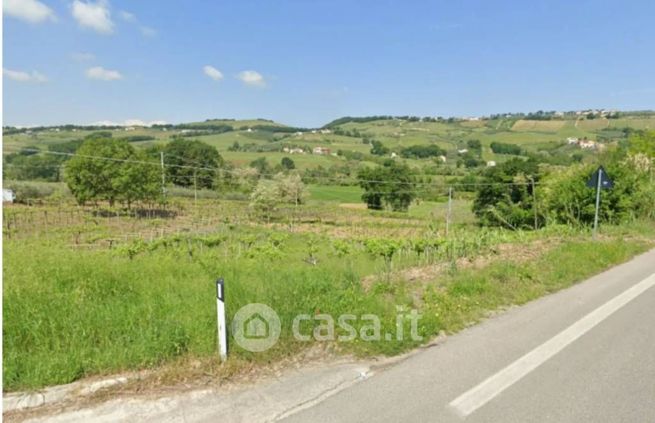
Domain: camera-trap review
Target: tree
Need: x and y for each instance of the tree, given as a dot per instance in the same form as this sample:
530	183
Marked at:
138	181
268	194
111	170
422	151
287	163
469	160
474	145
378	148
507	197
32	167
191	162
505	148
264	199
290	188
262	166
390	185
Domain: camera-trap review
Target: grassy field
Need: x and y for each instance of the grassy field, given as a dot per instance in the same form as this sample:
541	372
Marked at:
302	161
341	194
98	293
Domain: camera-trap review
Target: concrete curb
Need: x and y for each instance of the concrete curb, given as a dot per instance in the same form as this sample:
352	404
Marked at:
266	401
55	394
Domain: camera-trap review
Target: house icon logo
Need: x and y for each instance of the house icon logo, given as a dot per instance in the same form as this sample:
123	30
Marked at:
256	327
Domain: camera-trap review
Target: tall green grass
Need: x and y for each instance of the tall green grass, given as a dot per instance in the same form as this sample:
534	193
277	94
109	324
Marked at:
69	314
74	313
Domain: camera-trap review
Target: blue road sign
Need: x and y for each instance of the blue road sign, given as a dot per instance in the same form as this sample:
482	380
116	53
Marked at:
605	181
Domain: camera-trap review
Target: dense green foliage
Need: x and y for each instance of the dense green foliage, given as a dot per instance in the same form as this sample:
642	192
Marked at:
192	163
470	160
112	170
422	151
348	119
643	142
507	196
568	200
378	149
505	148
262	166
390	185
28	165
18	166
562	195
287	163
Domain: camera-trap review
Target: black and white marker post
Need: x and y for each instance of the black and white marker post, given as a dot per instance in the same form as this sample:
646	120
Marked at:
220	317
599	180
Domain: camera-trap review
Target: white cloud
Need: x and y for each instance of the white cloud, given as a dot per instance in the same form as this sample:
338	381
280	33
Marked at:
31	11
127	16
82	57
102	74
212	72
131	18
93	15
21	76
148	32
252	78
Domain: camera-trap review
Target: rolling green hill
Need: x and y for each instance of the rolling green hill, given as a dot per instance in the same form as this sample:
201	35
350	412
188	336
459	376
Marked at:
241	141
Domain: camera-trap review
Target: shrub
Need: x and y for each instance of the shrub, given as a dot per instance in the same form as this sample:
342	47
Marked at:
422	151
504	148
28	191
378	148
507	198
568	200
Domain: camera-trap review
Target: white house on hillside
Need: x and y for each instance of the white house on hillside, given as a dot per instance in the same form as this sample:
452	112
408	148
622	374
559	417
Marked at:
587	144
321	151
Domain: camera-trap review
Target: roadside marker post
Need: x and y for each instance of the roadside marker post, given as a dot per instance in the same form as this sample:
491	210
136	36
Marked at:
220	317
599	180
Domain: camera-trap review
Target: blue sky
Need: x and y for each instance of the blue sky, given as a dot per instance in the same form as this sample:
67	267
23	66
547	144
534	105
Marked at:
307	62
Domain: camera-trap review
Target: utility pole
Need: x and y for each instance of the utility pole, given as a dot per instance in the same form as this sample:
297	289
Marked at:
450	208
163	174
600	177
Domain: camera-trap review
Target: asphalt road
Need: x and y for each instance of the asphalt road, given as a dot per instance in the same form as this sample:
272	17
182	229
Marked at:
585	354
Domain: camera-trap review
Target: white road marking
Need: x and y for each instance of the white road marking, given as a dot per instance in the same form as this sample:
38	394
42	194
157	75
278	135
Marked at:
479	395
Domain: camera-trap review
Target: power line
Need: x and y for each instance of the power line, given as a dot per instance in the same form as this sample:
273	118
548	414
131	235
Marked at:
340	180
